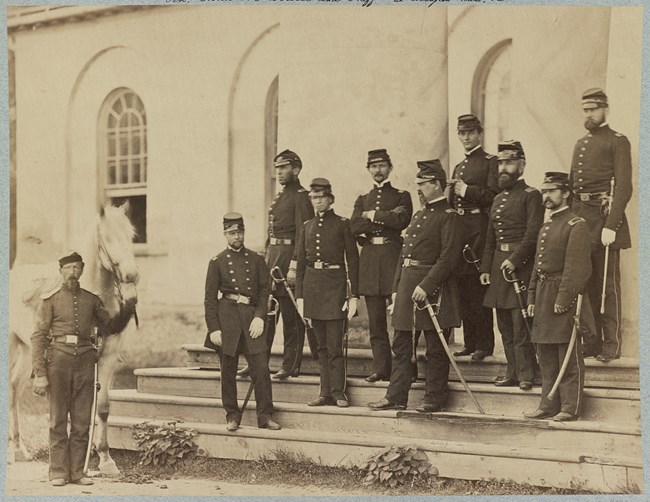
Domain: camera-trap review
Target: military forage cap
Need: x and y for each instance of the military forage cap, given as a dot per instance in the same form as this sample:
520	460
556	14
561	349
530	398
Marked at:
378	156
468	122
595	96
320	186
430	170
286	158
554	179
70	257
510	149
233	221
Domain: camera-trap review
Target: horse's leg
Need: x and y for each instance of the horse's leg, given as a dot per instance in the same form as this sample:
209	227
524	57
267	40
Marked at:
106	372
18	371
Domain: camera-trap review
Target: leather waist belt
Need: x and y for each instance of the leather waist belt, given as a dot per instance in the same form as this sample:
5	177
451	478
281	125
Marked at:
379	240
70	340
584	196
416	263
543	276
507	247
279	242
462	211
238	298
322	265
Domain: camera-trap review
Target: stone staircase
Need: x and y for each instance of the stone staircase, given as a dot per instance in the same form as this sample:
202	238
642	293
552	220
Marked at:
601	451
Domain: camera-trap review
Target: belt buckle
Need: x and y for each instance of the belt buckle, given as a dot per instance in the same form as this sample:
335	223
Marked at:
542	276
584	197
71	338
377	240
242	299
318	265
460	211
407	262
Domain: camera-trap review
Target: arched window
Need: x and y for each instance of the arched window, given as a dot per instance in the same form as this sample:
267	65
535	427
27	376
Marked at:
123	155
270	140
491	94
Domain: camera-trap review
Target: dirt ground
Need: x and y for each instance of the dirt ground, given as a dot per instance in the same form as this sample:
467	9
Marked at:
30	478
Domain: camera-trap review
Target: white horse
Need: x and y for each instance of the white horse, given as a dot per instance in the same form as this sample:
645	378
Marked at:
111	272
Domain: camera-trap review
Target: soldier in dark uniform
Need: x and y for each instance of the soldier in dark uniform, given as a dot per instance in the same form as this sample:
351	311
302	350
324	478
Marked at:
377	222
63	359
432	248
562	269
515	218
474	186
327	260
289	210
598	157
236	294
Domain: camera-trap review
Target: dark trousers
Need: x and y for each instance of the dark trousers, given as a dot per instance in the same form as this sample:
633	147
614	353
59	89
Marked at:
478	326
71	380
329	335
294	334
607	338
379	342
517	346
436	391
259	368
568	398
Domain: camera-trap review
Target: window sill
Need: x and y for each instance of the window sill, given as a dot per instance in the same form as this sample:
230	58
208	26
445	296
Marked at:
146	250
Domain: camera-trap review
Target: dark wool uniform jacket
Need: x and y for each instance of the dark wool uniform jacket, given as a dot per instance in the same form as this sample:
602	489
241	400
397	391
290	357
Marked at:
289	210
433	237
515	219
563	258
393	210
479	170
71	312
245	273
597	157
326	239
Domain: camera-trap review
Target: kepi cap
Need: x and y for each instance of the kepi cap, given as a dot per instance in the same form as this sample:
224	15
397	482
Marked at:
430	170
380	155
594	96
233	221
287	157
70	257
510	149
555	179
468	122
320	186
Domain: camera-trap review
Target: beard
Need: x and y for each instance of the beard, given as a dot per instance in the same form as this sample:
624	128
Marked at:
591	124
507	180
72	283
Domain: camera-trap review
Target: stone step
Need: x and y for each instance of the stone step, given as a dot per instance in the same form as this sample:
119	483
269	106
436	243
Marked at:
618	374
462	460
602	405
619	444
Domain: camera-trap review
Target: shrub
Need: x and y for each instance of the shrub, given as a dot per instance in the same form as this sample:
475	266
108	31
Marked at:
397	465
165	444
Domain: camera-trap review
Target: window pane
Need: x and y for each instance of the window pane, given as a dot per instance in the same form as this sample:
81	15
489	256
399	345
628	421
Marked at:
124	120
135	171
124	171
112	146
117	106
124	144
144	170
112	121
135	142
111	173
128	99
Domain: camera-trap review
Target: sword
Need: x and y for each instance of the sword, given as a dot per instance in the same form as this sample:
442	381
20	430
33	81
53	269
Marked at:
414	355
97	386
572	342
470	257
278	277
609	209
519	292
438	329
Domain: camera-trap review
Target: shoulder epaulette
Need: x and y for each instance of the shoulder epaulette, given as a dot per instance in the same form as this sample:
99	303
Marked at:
451	210
342	218
91	292
300	190
531	189
575	220
489	156
214	257
47	295
618	135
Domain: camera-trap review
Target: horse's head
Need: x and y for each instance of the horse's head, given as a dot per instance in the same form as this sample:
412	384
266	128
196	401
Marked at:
115	251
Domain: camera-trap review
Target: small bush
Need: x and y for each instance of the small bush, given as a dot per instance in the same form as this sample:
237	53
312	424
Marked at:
165	445
397	466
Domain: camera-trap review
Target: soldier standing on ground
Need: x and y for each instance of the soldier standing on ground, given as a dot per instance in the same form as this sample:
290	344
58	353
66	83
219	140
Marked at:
562	269
515	219
599	157
377	222
474	186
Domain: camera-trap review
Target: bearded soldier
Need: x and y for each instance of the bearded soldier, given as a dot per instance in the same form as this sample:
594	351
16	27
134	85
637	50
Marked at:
377	222
601	158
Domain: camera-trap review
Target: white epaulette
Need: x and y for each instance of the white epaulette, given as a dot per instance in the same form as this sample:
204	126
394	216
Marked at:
489	156
214	258
575	220
47	295
451	210
531	189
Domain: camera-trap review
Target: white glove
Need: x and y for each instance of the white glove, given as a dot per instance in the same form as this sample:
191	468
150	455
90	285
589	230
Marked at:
460	187
531	310
291	277
485	278
215	338
301	307
419	295
390	307
40	385
256	328
352	307
607	236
